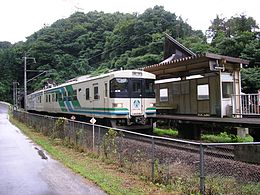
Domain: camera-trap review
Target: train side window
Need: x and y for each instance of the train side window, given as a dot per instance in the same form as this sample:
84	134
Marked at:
64	95
164	95
59	96
75	95
106	92
203	92
96	95
87	93
70	95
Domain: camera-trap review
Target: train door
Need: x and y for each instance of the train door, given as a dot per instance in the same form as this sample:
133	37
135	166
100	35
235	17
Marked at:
96	99
136	97
106	99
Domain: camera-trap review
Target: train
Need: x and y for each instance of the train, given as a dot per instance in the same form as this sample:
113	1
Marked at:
124	98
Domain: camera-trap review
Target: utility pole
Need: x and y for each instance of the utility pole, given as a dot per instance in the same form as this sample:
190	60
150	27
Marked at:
15	95
25	79
25	84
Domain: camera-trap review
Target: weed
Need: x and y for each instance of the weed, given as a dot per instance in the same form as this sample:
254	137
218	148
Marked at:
169	132
109	144
224	137
59	129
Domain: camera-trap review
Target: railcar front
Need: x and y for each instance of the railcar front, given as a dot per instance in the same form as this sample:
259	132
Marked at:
132	96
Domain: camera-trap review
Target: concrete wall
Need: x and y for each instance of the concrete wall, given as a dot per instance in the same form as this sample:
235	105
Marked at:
248	153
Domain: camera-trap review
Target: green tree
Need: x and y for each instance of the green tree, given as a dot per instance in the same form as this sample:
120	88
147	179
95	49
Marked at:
250	80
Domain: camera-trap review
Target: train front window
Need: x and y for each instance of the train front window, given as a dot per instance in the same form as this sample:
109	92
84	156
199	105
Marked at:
119	87
141	88
136	88
132	88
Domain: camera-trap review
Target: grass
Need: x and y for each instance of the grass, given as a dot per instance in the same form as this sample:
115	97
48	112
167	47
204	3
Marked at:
219	138
225	138
109	177
168	132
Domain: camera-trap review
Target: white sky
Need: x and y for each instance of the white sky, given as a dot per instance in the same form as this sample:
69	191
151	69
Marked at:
21	18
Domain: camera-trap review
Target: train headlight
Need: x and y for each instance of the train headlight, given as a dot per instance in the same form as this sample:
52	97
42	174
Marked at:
152	104
118	105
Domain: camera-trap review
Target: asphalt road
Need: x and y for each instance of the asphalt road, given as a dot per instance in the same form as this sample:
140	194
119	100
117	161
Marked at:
26	169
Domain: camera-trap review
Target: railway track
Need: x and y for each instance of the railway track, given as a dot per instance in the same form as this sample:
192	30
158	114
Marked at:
223	152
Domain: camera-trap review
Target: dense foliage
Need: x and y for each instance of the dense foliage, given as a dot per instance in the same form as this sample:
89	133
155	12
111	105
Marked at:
95	42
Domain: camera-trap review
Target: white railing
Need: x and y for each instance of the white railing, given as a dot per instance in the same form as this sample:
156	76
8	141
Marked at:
246	104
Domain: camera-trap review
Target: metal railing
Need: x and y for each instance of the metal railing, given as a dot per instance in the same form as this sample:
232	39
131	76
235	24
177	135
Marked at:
246	104
184	166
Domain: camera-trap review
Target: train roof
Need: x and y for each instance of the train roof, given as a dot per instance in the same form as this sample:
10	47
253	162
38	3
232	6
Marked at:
114	74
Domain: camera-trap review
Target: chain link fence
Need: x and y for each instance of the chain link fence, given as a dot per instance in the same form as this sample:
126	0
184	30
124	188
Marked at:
183	166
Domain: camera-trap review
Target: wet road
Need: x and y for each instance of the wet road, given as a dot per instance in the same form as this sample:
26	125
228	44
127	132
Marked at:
23	169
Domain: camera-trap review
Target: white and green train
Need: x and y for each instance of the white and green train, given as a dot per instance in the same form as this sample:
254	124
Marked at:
123	97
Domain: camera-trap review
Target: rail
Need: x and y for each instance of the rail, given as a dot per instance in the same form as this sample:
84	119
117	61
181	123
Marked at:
246	105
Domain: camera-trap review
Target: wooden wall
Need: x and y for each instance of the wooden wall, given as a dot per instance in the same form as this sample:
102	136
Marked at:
182	96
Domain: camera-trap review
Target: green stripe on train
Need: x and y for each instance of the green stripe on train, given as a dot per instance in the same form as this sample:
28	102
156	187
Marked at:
150	108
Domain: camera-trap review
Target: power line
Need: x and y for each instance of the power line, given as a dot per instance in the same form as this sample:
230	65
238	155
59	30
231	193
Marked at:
119	45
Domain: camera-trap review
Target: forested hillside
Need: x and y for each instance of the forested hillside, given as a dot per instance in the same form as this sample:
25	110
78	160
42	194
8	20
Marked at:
95	42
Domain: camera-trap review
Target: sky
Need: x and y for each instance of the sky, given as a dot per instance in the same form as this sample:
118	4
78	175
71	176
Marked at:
21	18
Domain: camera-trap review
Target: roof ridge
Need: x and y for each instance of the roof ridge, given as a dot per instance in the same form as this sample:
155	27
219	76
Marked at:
180	45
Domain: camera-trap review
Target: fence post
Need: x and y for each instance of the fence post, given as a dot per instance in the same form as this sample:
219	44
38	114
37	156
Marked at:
93	133
153	159
99	141
202	175
74	132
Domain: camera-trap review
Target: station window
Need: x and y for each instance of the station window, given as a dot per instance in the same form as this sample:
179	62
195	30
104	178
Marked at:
49	98
46	98
203	92
227	89
164	95
96	96
87	93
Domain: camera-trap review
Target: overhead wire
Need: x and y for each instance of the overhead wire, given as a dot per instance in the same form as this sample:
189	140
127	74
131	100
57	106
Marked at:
119	45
